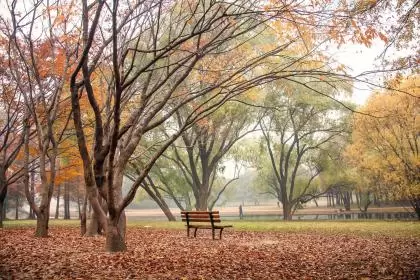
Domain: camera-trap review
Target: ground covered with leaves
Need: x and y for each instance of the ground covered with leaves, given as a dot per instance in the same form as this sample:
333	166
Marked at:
169	254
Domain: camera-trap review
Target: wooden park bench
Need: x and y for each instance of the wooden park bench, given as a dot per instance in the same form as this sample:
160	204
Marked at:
203	219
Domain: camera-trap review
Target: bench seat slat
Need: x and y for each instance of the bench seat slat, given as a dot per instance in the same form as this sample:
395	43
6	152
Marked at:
201	220
199	212
209	226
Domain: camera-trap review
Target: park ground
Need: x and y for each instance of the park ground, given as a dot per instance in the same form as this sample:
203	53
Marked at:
264	210
250	250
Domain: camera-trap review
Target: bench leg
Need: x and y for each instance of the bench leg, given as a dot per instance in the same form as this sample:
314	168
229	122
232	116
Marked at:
195	232
188	232
221	230
213	232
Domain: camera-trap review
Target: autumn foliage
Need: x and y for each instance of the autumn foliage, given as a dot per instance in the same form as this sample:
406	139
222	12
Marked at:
385	146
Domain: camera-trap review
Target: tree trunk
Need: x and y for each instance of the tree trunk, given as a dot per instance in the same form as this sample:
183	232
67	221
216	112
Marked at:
17	207
66	201
174	198
3	210
83	217
416	206
114	237
287	212
32	192
153	192
168	214
94	227
201	202
57	207
42	220
346	200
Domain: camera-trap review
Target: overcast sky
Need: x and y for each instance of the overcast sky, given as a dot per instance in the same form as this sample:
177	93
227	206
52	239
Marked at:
360	59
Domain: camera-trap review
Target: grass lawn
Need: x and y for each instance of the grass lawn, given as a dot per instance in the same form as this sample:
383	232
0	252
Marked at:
359	228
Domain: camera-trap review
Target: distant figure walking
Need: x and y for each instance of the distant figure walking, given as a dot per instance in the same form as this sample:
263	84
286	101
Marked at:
241	212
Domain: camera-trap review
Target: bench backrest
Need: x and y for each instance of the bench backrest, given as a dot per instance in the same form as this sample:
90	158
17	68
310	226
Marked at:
200	216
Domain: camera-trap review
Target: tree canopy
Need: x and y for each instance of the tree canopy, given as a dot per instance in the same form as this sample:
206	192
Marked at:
385	141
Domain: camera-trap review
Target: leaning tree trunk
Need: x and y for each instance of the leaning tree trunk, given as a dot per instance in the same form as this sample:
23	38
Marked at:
165	209
154	193
94	228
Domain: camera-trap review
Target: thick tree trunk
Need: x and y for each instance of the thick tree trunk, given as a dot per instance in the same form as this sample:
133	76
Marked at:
57	207
201	202
116	221
286	205
114	237
287	212
42	220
